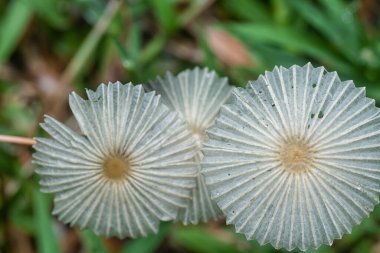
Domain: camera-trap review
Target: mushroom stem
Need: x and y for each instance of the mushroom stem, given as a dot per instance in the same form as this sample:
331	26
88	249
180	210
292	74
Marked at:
17	140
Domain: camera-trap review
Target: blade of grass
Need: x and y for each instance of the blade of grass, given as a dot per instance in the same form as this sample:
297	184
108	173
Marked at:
248	10
331	26
47	241
318	19
199	240
194	10
50	11
92	242
129	54
292	40
134	41
280	11
152	49
79	61
148	244
12	26
269	56
127	61
166	15
344	15
209	59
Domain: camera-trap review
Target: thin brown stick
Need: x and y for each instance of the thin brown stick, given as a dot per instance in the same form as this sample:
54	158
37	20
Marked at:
17	140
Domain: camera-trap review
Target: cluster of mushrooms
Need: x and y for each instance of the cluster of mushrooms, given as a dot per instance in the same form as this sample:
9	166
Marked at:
292	160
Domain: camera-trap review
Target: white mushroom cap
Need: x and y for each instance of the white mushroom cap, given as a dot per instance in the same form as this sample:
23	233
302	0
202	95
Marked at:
131	168
197	96
294	159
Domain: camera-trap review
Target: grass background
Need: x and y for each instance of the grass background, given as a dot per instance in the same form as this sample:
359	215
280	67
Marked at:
51	47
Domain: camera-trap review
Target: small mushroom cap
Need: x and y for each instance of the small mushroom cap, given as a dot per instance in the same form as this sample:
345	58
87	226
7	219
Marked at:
196	95
131	167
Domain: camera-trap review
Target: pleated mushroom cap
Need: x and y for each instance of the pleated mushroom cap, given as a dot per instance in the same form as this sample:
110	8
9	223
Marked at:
131	167
197	96
294	159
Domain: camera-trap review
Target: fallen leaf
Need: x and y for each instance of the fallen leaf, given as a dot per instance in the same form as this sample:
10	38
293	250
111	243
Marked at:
228	49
